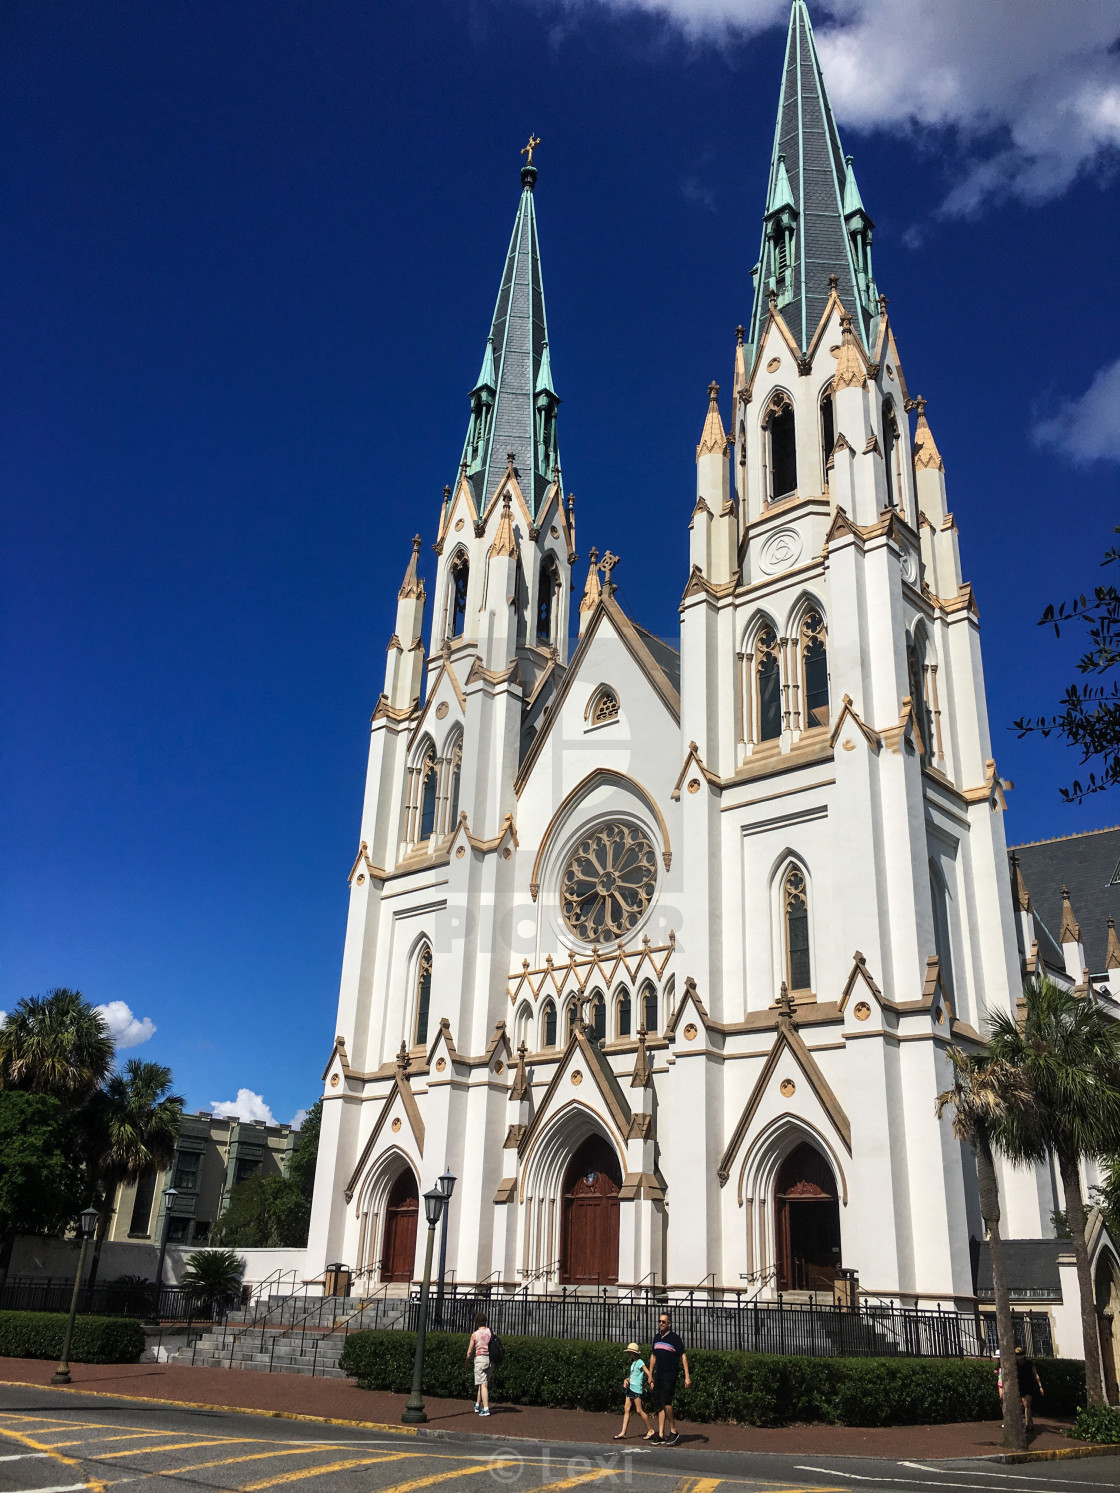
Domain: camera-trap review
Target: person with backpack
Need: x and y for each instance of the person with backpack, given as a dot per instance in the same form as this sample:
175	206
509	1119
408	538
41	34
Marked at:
485	1347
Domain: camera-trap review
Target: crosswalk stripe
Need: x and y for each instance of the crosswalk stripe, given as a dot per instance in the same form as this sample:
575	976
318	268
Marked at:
589	1477
85	1440
61	1488
441	1477
288	1451
305	1472
24	1456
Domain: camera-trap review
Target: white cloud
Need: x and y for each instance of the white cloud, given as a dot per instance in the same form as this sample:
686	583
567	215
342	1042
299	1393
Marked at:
1088	428
298	1118
3	1018
1029	89
247	1106
126	1029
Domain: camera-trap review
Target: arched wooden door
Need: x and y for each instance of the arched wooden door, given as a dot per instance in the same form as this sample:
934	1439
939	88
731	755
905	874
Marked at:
807	1215
1107	1296
589	1216
398	1248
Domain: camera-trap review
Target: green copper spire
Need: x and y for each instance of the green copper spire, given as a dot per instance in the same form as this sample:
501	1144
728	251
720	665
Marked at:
514	403
815	224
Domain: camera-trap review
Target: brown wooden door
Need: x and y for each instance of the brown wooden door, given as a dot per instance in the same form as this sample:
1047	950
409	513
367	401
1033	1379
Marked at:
398	1251
807	1222
589	1217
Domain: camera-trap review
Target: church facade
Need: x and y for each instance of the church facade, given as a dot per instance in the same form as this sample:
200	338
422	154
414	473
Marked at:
658	946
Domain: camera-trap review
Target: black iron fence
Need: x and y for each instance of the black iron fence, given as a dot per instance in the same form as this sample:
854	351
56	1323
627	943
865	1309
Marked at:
797	1329
1033	1333
108	1299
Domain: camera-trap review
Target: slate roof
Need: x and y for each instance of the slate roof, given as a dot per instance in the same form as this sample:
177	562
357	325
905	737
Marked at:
807	138
1032	1266
1089	865
666	655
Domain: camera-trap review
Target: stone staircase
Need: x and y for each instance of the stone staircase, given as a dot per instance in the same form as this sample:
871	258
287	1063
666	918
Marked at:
293	1334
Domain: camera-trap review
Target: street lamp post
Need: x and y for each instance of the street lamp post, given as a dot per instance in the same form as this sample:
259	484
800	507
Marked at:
61	1375
414	1413
446	1185
169	1196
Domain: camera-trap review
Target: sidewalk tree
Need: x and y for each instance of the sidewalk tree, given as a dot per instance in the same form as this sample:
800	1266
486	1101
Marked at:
132	1124
55	1044
1067	1048
265	1213
982	1095
213	1275
302	1170
43	1185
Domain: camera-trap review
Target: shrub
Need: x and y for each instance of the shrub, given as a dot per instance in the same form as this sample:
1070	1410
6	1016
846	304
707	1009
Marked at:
96	1339
754	1389
1101	1424
1063	1385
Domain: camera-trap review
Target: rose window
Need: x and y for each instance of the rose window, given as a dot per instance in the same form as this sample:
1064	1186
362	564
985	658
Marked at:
608	882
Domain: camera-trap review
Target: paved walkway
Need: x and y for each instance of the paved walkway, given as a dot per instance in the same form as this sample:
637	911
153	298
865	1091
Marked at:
341	1400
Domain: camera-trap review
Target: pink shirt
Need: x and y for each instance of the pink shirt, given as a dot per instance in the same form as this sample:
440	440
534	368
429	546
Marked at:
480	1342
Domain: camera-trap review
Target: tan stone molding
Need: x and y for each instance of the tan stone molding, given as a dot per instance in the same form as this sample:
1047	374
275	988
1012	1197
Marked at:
593	779
599	966
601	1074
412	1114
693	759
1070	931
848	713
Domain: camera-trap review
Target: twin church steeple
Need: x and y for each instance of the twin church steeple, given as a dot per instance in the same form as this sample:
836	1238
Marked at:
815	224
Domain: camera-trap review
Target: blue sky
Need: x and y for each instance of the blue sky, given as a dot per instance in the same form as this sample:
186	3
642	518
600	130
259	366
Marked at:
248	257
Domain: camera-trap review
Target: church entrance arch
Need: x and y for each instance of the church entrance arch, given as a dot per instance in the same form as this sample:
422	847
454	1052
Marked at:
398	1248
589	1216
1107	1295
807	1217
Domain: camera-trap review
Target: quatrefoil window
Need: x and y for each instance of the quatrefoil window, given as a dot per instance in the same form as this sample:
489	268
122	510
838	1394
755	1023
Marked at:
608	882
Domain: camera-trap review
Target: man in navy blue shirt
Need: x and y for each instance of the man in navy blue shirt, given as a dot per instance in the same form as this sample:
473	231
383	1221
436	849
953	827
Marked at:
668	1359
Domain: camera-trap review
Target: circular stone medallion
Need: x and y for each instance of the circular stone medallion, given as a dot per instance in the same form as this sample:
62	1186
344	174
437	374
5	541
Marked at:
789	1088
441	1064
577	1077
334	1080
694	785
862	1011
441	710
773	365
396	1126
690	1032
780	551
909	567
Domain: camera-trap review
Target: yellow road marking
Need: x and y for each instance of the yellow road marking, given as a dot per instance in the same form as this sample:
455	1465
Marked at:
439	1477
287	1451
699	1484
177	1446
306	1472
126	1436
586	1477
94	1485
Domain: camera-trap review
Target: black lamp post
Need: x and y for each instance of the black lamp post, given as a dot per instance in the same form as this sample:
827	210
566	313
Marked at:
446	1185
169	1196
88	1219
414	1413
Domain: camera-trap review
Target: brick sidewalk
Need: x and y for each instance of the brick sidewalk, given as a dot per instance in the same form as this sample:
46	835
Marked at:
337	1399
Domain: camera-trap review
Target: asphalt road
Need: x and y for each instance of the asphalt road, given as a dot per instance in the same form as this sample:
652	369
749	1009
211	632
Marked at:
51	1443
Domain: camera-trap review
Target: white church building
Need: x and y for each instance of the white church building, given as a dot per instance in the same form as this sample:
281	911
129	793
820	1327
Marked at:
658	945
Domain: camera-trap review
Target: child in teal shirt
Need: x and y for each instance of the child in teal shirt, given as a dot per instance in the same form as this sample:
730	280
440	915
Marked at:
633	1385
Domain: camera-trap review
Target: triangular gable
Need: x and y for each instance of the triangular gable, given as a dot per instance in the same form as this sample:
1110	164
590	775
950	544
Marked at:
693	759
860	975
443	686
411	1111
775	321
605	608
462	832
364	866
444	1043
848	713
580	1048
834	306
338	1051
508	483
689	999
789	1040
908	729
555	495
463	495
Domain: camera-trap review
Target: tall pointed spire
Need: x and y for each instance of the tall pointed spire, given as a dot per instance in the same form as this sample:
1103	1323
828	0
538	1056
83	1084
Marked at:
514	403
815	224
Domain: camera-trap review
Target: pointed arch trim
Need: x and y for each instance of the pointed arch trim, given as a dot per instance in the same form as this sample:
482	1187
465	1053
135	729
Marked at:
598	776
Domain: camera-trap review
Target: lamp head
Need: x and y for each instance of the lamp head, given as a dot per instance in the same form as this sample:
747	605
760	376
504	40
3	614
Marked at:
170	1194
434	1201
446	1183
88	1219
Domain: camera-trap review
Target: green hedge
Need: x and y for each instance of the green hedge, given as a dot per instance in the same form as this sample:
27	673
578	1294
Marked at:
1101	1425
755	1389
96	1339
1063	1385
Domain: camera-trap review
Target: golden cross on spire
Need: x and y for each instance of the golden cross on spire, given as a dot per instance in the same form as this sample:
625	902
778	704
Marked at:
527	150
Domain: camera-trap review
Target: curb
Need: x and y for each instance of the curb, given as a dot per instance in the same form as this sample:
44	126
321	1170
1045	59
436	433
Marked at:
315	1420
1062	1454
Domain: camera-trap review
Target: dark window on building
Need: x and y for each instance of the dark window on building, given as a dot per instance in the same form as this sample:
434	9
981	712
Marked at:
177	1230
428	797
783	452
201	1230
599	1018
460	575
797	930
769	686
456	774
649	1009
624	1014
815	655
245	1168
423	993
550	1025
890	440
186	1171
546	600
828	434
142	1205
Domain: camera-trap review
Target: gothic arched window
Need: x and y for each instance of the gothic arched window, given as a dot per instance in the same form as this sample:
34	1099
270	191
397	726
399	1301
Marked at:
782	438
599	1018
769	685
457	611
455	761
548	1024
828	432
622	1015
428	781
890	455
942	927
649	1008
423	993
605	707
547	595
573	1017
795	915
916	670
814	664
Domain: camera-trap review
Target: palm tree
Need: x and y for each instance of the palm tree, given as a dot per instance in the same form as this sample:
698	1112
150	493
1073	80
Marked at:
55	1044
984	1096
213	1275
1068	1050
134	1124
